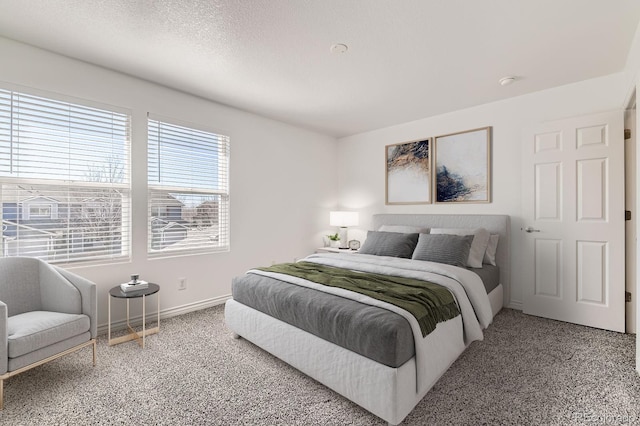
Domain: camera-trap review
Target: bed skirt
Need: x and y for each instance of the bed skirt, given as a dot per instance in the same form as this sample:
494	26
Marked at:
389	393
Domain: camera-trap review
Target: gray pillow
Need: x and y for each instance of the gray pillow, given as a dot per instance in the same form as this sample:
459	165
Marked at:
444	248
393	244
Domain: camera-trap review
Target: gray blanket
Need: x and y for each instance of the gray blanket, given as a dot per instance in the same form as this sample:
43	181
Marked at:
370	331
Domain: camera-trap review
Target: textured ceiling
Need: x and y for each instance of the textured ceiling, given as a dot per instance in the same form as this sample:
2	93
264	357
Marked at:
407	59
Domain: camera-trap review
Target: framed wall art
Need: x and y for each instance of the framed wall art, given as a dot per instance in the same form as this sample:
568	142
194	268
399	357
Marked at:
463	167
408	172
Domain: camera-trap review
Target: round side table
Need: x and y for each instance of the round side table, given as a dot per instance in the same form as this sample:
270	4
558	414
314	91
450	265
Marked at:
117	293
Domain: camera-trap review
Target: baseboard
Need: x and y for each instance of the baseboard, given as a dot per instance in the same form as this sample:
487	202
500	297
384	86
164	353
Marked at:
166	313
515	304
195	306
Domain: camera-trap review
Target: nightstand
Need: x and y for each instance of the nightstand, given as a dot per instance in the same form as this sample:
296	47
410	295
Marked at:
334	250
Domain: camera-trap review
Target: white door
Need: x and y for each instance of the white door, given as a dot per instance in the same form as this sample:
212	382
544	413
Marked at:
573	207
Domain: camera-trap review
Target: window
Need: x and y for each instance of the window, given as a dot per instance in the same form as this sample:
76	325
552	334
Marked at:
188	173
64	179
40	211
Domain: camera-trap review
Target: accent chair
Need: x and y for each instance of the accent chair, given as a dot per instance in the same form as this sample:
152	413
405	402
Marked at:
45	313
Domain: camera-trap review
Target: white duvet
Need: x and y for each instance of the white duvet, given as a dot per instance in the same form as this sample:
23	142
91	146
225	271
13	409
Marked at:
466	287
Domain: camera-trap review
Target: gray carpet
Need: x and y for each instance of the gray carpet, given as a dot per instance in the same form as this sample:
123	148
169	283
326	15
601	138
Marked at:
527	371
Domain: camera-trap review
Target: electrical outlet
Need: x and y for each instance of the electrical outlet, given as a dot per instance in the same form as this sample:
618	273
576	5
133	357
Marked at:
182	283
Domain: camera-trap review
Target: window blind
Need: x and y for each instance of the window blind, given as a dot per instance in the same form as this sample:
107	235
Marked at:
188	177
64	179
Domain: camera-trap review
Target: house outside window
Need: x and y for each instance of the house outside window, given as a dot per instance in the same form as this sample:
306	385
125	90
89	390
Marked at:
188	177
64	179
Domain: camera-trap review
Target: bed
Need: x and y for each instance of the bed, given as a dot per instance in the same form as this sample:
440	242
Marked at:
389	385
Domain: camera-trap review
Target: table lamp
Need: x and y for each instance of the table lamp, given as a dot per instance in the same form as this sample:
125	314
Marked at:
343	220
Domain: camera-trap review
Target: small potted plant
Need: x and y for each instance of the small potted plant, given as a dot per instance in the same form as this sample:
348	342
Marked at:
334	240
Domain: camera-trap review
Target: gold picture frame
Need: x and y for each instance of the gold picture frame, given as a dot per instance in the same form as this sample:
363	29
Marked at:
408	172
462	167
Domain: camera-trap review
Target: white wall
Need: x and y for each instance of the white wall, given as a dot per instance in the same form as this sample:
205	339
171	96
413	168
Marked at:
281	190
362	158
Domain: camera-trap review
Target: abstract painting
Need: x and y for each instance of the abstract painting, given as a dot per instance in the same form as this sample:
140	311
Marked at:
462	163
408	172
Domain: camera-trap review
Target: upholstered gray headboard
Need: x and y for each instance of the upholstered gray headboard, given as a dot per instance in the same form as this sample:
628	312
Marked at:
495	224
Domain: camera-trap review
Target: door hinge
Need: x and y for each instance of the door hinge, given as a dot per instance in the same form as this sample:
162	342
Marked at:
627	296
627	134
627	215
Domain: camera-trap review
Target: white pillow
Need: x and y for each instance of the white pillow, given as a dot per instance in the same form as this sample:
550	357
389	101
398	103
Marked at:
478	246
490	254
403	229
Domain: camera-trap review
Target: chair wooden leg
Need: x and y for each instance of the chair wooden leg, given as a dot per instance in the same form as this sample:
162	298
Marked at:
1	394
94	352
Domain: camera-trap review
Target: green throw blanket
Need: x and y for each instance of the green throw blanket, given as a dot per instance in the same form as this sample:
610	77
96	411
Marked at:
429	303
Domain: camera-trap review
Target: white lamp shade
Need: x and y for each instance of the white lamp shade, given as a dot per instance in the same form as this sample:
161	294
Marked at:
343	219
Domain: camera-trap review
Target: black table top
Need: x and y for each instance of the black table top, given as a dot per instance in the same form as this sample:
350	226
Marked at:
117	292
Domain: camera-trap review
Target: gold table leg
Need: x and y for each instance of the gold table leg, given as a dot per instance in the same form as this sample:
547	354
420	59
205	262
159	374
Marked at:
135	335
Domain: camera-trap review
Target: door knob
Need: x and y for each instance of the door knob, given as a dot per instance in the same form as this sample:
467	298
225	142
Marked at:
530	229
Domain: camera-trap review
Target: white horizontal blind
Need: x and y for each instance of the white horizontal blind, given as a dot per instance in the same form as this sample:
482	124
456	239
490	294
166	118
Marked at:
188	174
64	180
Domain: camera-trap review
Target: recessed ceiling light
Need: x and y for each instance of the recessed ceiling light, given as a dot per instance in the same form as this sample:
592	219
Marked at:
339	48
504	81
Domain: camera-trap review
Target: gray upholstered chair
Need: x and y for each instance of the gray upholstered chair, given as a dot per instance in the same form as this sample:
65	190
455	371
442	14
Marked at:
45	313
